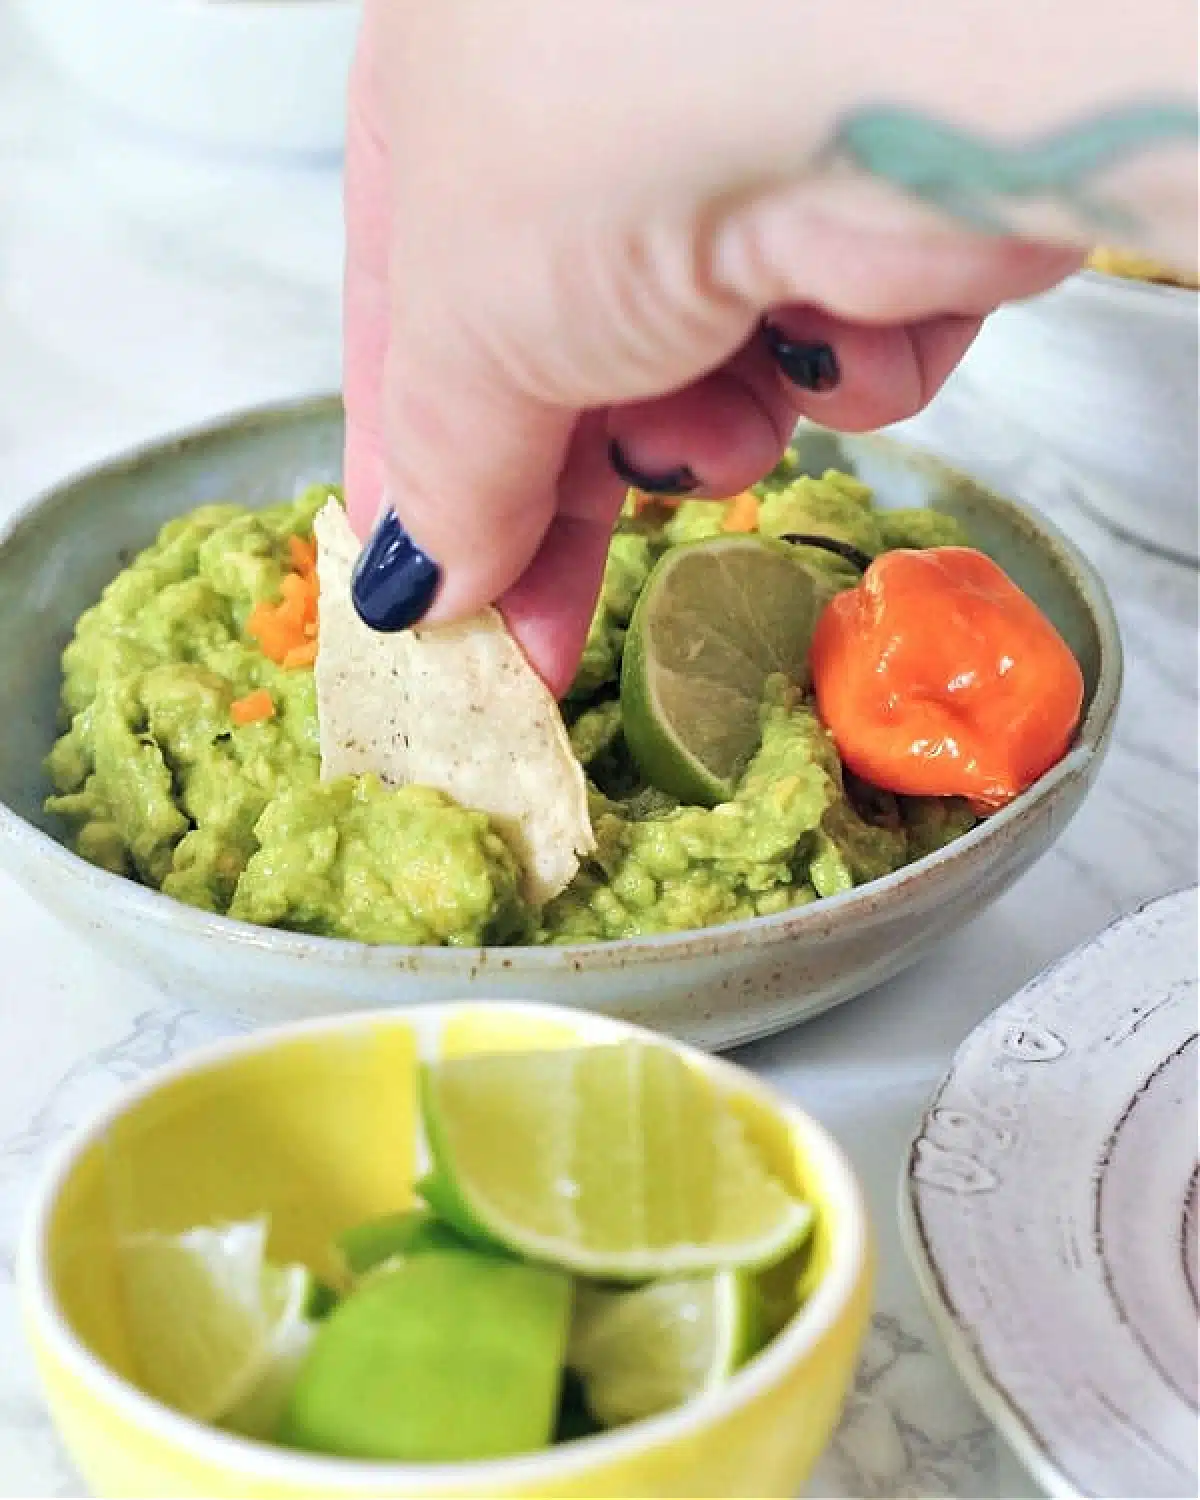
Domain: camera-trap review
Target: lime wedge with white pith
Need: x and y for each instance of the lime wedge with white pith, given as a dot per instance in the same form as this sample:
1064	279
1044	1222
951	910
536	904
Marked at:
616	1162
650	1349
715	620
217	1332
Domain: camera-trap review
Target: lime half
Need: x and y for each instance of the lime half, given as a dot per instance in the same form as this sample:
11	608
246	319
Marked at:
649	1350
217	1332
715	620
616	1162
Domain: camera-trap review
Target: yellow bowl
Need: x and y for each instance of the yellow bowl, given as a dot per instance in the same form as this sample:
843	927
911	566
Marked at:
316	1124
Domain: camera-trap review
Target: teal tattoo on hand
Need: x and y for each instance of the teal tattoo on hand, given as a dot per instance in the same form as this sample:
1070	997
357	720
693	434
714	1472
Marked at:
965	175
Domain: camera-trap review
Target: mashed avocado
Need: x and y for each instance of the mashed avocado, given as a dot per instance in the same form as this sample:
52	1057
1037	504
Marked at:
157	782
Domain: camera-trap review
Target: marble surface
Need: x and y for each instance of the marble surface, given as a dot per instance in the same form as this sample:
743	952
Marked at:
142	289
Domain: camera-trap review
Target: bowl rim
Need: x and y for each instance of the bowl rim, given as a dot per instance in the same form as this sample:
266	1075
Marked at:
165	913
843	1278
1162	297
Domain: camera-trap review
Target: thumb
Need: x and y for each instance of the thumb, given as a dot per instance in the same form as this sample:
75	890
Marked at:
467	465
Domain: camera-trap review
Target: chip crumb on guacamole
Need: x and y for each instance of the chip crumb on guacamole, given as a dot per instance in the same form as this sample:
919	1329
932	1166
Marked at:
164	775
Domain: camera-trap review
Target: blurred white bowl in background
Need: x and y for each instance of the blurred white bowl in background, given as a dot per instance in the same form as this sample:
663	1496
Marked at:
1104	371
267	75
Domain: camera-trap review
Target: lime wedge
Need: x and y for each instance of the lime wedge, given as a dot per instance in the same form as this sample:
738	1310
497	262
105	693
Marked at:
616	1162
450	1355
377	1242
649	1350
715	620
257	1413
217	1332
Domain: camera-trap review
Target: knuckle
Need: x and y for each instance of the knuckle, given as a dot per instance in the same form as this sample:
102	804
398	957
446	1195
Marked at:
626	315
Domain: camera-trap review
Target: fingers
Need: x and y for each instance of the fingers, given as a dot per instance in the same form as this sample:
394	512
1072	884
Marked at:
725	432
469	471
855	377
939	347
712	438
550	607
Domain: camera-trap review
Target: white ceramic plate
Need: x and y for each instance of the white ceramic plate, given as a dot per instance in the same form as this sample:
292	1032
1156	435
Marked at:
1050	1210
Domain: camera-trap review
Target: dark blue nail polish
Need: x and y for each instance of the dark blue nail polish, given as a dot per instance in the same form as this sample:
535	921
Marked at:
677	481
394	582
811	366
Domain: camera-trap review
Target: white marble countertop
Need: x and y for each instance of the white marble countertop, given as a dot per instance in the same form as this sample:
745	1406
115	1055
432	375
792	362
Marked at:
142	289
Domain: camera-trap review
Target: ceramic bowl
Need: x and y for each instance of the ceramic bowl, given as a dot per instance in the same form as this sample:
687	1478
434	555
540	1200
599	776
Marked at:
1103	371
219	1137
713	987
248	74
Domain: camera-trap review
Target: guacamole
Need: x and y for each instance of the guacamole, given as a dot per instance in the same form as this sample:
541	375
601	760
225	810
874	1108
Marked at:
159	779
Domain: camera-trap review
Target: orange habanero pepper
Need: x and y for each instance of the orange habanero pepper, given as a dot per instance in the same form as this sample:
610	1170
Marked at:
937	677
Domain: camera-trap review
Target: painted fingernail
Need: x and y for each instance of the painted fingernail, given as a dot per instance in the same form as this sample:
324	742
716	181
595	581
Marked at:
678	481
811	366
394	582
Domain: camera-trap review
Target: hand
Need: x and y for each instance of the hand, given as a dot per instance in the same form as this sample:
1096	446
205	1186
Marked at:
585	248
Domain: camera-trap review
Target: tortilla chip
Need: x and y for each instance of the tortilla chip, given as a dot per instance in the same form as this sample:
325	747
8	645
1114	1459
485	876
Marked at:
456	707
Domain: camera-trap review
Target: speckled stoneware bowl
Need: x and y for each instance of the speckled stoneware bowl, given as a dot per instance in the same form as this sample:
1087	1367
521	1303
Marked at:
715	987
1102	370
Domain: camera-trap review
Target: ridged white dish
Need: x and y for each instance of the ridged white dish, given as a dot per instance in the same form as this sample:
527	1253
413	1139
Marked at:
1050	1210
